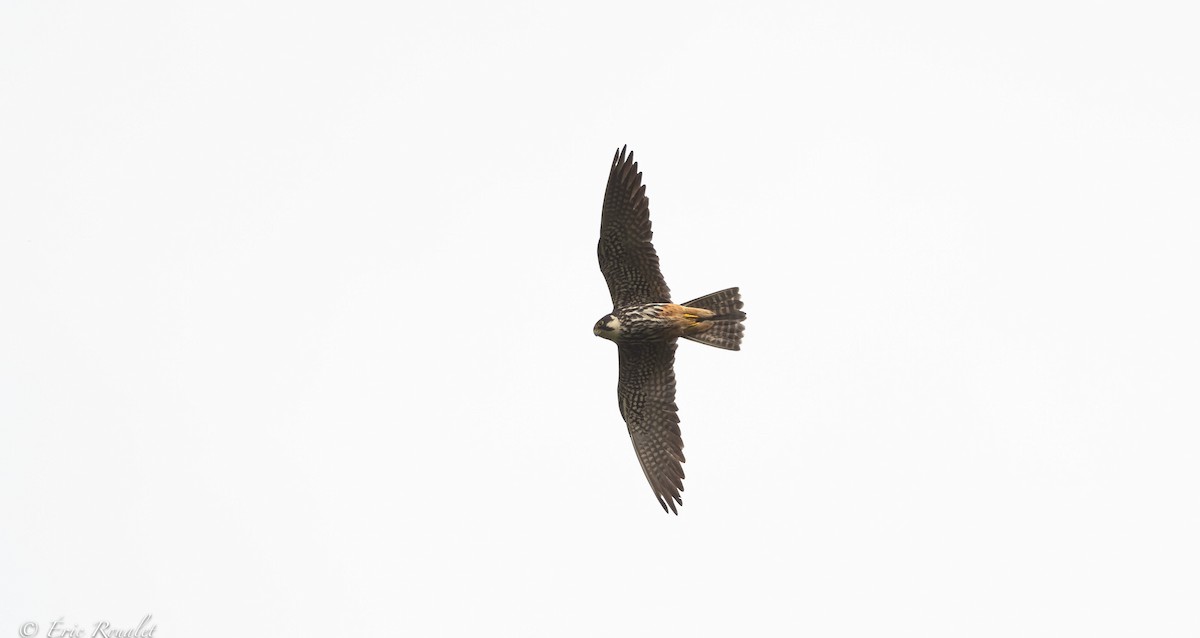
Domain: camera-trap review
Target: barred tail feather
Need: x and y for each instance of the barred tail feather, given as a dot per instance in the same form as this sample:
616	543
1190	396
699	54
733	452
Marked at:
725	328
723	302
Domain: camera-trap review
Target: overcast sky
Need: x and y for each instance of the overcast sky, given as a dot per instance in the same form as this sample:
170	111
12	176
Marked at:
296	303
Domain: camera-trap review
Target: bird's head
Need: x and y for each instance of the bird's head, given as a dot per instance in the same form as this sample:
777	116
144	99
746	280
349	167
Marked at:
608	327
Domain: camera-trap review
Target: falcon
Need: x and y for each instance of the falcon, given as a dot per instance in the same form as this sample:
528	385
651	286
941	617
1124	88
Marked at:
645	325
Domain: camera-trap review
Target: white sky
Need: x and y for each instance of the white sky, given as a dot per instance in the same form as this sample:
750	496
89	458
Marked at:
297	298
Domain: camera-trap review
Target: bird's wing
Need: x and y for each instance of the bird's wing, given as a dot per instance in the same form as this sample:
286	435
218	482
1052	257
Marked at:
646	392
627	257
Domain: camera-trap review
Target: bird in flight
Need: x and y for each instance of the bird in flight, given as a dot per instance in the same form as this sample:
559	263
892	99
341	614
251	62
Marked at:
645	325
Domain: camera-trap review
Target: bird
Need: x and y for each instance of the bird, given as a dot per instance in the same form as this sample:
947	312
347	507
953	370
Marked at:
646	327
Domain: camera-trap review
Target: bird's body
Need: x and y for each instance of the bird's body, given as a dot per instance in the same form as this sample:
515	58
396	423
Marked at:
653	322
645	325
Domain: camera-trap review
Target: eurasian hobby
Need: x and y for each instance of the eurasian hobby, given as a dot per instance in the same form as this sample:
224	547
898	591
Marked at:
645	326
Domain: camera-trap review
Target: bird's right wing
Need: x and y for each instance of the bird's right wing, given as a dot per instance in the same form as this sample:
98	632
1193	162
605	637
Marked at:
646	393
627	256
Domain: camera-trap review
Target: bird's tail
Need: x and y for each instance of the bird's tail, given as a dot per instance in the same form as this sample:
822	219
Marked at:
724	329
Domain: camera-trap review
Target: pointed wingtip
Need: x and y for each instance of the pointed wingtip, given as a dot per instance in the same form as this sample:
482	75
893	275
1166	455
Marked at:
620	156
668	503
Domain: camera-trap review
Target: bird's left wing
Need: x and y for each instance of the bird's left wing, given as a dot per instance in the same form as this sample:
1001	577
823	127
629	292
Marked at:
646	392
627	256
